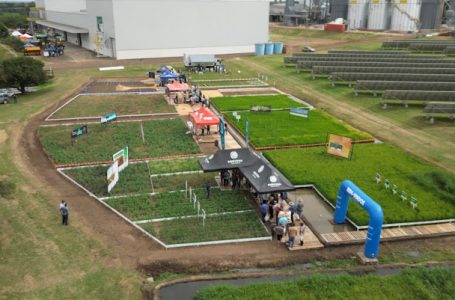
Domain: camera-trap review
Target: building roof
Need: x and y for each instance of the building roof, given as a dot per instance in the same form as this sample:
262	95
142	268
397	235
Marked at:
62	27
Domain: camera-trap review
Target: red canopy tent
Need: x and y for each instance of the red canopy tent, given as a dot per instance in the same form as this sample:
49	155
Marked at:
176	87
203	117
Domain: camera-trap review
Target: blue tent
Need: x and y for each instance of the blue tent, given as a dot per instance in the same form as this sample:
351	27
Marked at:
168	75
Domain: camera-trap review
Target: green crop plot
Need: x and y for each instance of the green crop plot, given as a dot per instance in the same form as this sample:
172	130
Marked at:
245	102
178	204
226	227
161	138
134	179
134	208
121	104
433	188
177	182
279	128
174	165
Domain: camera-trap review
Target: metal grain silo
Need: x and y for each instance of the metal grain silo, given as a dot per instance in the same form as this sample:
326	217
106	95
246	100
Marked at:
379	14
431	14
358	14
406	15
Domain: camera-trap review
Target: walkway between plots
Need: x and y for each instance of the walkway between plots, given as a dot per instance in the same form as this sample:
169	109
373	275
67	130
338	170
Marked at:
230	142
390	233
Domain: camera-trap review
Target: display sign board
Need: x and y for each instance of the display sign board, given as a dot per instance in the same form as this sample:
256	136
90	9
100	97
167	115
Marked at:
121	158
339	145
260	108
79	131
108	118
112	176
99	24
299	112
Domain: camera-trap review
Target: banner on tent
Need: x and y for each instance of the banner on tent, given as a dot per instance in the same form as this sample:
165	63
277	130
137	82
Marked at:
121	158
112	176
339	146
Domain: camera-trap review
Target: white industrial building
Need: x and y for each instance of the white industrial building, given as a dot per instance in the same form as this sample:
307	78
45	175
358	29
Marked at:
158	28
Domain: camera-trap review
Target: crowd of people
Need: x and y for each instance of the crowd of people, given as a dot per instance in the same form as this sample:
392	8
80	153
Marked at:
285	217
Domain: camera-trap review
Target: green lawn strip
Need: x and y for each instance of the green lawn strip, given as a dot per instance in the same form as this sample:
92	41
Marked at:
177	182
279	128
190	230
432	187
245	102
135	208
162	138
134	179
177	205
174	165
422	283
122	104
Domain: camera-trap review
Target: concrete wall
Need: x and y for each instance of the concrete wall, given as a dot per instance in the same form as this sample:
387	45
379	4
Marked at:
157	28
65	5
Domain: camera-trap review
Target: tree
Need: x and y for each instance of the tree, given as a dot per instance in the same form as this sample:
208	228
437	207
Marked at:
13	20
3	30
23	71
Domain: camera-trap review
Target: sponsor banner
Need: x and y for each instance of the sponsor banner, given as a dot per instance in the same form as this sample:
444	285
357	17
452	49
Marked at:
339	145
79	131
247	125
260	108
222	133
112	176
299	112
109	118
121	158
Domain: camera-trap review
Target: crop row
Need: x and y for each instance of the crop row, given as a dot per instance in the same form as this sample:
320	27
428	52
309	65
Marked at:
235	226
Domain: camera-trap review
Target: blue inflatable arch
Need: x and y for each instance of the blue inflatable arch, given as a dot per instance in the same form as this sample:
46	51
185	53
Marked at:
349	190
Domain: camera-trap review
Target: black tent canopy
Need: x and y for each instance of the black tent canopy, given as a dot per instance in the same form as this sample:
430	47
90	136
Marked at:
264	177
228	159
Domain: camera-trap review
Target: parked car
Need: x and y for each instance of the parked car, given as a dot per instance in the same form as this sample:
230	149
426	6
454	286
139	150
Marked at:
308	49
3	98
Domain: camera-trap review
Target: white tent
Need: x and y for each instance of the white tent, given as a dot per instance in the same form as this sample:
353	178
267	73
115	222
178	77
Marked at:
16	33
27	36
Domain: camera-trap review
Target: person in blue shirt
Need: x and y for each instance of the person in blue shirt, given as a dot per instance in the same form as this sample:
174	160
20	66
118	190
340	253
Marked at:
264	208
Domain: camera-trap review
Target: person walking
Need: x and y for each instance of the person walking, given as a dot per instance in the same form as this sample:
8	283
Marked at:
301	232
208	188
64	211
299	209
264	209
292	233
279	231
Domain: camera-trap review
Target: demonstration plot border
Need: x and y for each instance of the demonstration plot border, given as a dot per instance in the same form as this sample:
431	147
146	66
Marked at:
136	224
49	118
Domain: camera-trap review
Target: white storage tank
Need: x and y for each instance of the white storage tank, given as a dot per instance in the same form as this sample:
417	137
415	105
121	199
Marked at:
379	15
358	14
406	15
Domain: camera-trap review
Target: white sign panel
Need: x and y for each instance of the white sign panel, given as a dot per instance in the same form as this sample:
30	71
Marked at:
112	176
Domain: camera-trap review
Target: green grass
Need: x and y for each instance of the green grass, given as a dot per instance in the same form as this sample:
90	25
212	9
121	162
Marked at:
433	283
286	33
162	138
100	105
245	102
432	187
177	182
236	226
133	180
279	128
174	165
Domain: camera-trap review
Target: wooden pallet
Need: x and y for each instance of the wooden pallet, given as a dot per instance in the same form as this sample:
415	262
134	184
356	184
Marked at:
390	233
